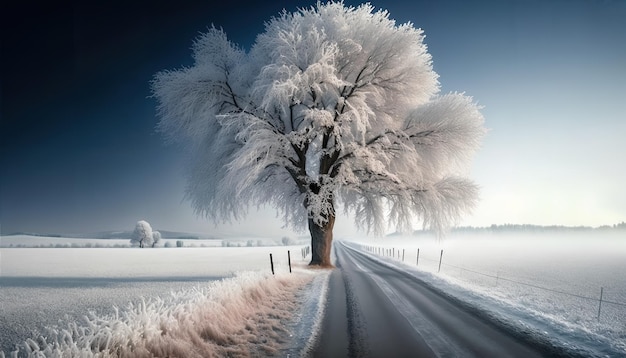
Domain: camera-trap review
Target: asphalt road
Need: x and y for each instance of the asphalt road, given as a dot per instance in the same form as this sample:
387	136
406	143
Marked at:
374	310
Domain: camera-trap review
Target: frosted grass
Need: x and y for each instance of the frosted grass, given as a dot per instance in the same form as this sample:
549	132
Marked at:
242	316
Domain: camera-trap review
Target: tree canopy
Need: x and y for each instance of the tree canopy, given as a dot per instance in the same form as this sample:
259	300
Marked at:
142	236
332	104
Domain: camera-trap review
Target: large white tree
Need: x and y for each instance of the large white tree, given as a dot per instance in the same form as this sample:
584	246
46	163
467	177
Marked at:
331	105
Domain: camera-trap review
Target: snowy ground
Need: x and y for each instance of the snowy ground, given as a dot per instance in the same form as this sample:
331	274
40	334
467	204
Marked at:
549	283
60	287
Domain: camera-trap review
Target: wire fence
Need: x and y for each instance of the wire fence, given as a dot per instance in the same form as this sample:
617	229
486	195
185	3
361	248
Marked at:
304	251
399	254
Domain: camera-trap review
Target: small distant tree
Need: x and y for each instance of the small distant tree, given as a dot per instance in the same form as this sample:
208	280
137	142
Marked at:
180	243
142	236
286	241
156	238
331	105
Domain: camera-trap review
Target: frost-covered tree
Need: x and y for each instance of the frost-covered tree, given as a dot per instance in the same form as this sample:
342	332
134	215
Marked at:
331	105
142	235
156	238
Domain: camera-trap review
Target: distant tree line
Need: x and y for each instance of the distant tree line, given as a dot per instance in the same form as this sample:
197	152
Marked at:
537	228
527	228
74	245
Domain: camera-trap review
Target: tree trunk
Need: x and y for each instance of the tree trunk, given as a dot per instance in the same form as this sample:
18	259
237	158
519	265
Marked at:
321	242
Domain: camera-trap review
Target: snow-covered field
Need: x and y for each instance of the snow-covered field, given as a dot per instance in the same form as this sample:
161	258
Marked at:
51	287
551	282
547	283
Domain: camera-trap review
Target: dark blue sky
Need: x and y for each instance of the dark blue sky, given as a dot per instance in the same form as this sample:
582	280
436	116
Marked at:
79	152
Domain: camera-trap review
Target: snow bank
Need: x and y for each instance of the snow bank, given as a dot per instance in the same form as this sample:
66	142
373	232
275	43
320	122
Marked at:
246	315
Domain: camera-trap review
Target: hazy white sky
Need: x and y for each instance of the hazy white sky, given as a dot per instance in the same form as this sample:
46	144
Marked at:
79	152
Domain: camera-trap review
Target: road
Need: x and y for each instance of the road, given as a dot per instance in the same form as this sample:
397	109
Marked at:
374	310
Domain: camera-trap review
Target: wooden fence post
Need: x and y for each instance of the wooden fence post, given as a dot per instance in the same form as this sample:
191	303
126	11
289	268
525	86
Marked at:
600	307
440	258
272	263
418	258
289	260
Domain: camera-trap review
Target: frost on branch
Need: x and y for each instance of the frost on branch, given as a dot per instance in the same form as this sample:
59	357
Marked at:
331	105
